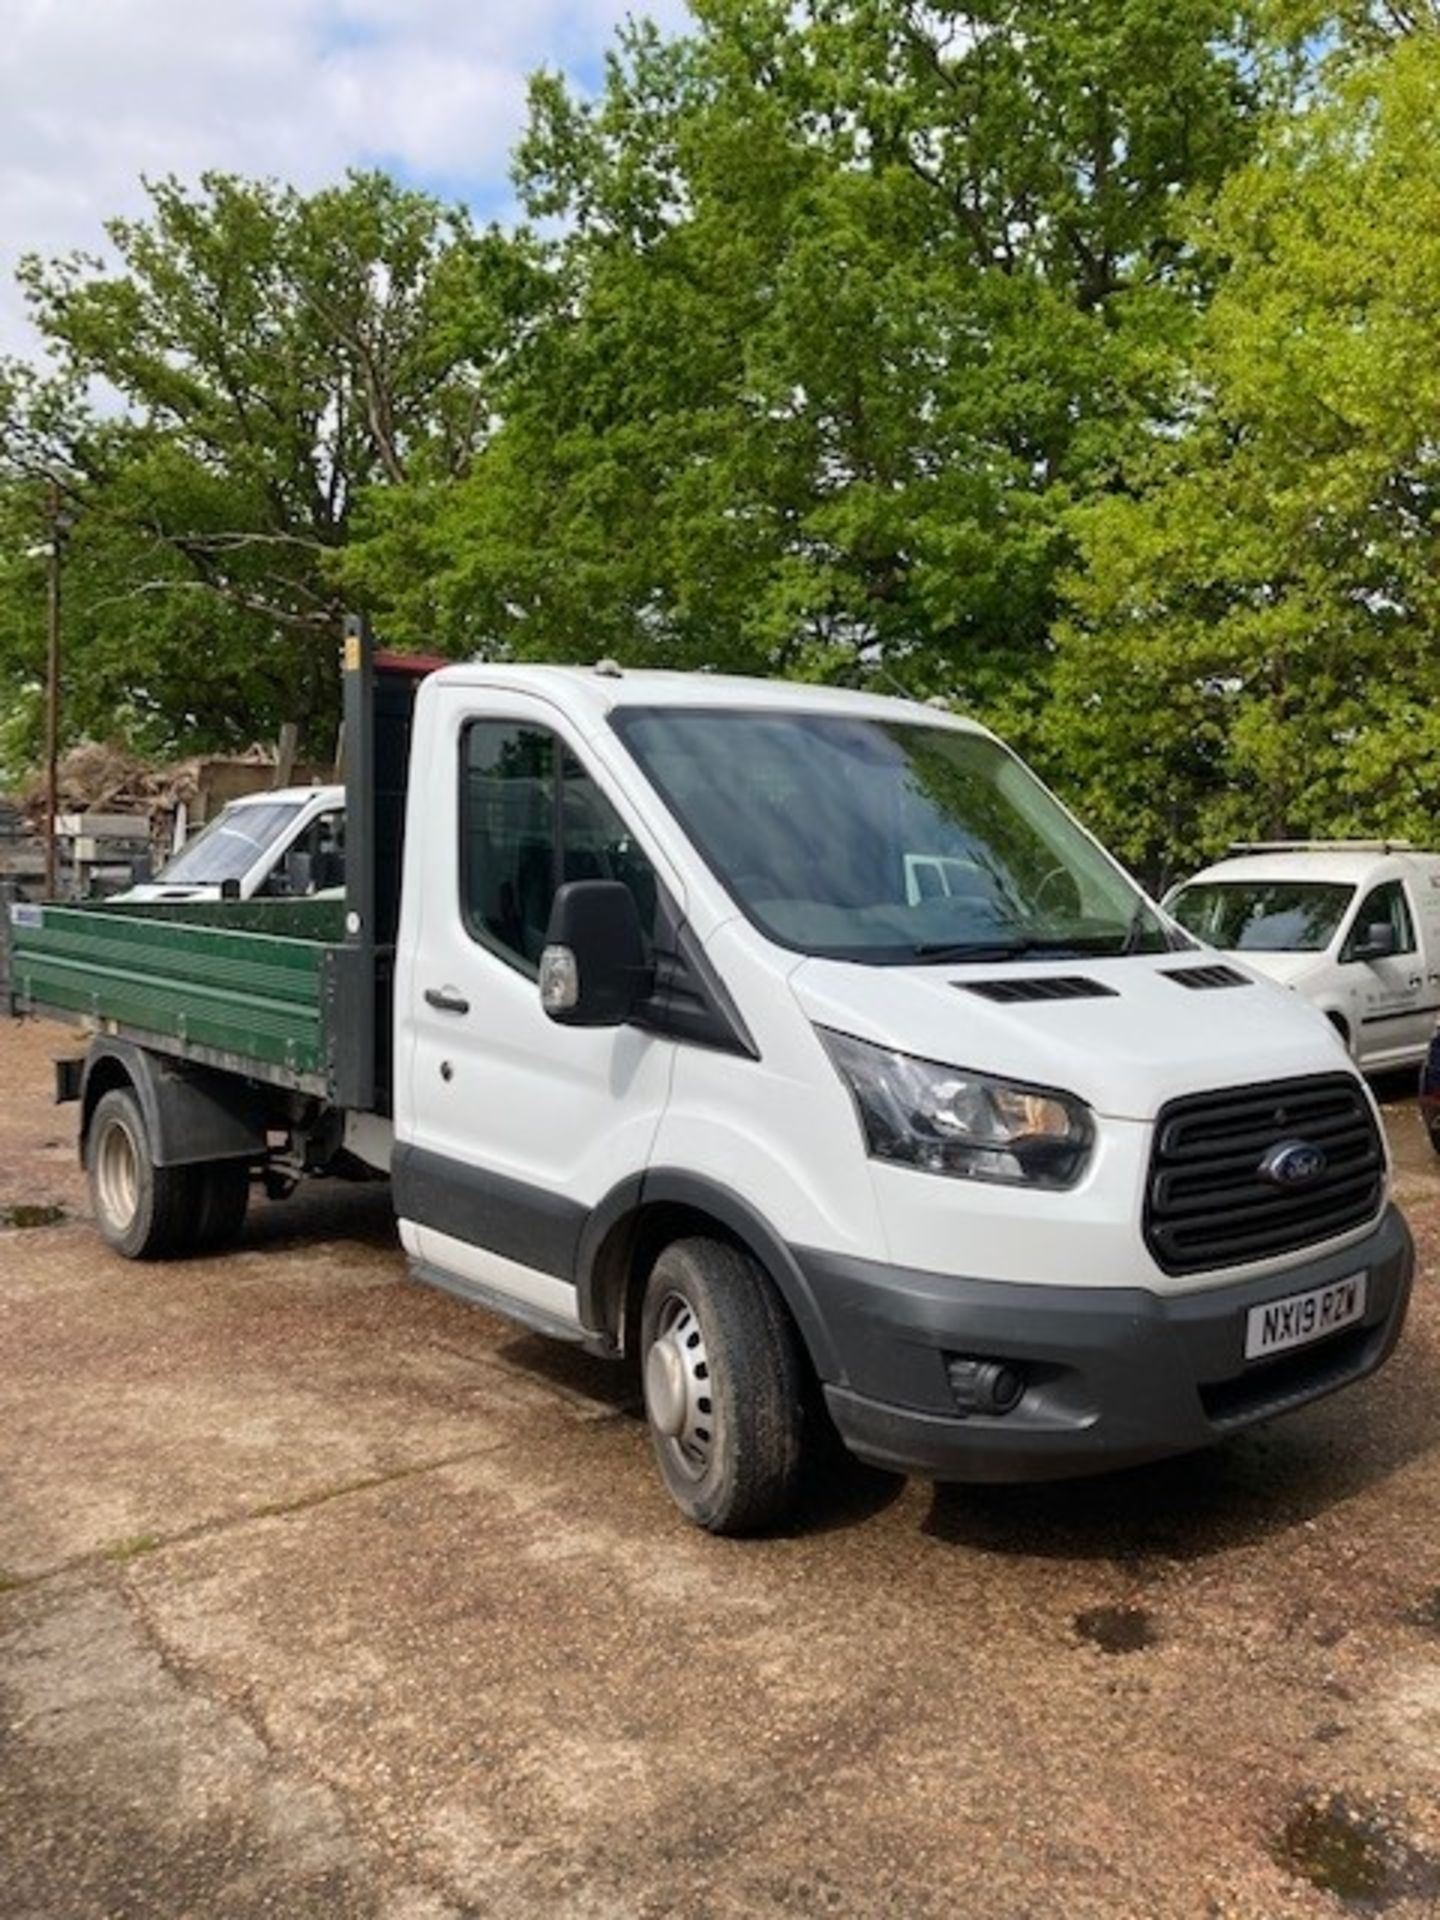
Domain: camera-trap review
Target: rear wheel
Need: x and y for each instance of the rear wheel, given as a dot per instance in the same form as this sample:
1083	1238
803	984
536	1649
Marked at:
724	1387
143	1211
223	1197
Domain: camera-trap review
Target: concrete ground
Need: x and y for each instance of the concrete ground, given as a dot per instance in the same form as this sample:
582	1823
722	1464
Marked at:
322	1594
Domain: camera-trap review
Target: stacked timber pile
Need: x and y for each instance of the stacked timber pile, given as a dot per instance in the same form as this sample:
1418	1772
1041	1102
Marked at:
103	787
96	777
22	857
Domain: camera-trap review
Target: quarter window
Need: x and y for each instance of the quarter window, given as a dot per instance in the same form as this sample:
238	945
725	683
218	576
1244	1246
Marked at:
531	818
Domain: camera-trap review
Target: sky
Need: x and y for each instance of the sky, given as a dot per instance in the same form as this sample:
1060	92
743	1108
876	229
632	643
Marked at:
96	93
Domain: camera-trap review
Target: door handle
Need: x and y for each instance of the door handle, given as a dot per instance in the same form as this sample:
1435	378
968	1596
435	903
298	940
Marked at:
446	1000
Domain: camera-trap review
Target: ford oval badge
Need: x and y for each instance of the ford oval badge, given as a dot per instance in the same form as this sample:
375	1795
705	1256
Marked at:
1293	1163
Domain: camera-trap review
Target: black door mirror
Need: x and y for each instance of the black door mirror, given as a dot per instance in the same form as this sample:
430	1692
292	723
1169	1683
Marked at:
1376	943
593	971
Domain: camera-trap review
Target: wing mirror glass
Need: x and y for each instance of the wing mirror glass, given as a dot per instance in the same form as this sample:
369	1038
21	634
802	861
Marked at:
593	971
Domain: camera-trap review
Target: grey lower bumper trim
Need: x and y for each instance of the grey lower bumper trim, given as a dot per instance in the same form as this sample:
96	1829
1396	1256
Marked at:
1115	1376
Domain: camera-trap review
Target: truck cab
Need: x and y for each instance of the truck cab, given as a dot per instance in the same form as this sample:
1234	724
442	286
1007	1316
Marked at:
288	842
1353	927
1037	1184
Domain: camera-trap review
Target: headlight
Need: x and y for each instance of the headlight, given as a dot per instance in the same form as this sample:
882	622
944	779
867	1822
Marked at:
948	1120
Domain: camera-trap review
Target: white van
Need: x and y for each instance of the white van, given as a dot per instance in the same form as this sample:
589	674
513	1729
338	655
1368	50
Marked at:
795	1044
284	843
1353	925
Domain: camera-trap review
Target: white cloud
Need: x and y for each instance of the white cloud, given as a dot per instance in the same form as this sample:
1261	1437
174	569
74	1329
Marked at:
95	93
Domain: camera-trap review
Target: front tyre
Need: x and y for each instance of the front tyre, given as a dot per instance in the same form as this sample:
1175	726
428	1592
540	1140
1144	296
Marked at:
724	1387
145	1212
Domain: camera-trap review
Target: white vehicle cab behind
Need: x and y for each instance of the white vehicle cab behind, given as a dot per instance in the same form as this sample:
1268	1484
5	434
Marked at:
1354	927
288	841
760	1030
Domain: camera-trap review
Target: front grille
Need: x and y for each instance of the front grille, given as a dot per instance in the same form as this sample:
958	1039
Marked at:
1207	1205
1040	986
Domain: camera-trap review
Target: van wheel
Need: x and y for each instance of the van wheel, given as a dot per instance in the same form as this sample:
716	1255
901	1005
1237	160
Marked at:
145	1212
724	1387
224	1196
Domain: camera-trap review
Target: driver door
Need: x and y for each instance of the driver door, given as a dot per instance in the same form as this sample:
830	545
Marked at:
1391	1020
513	1128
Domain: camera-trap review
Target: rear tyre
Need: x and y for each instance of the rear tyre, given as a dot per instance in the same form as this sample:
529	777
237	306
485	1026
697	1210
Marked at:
145	1212
223	1197
724	1387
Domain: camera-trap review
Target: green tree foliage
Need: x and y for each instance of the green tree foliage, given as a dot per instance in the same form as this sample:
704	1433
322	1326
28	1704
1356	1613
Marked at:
258	359
854	302
1253	647
1074	359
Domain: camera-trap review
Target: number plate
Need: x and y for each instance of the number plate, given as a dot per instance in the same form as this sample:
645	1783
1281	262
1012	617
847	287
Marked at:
1302	1317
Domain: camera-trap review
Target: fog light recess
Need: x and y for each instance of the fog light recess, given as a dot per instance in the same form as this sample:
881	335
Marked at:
984	1386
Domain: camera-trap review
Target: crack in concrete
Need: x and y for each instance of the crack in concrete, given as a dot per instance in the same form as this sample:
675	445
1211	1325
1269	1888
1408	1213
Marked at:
366	1831
141	1546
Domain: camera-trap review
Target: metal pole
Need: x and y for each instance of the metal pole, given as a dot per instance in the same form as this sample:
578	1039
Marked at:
52	700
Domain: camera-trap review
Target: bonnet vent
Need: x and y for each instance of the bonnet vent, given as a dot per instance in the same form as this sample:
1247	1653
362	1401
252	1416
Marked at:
1044	986
1202	977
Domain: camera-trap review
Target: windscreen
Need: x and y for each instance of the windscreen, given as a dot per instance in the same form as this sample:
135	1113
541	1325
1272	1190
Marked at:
885	841
1273	916
234	840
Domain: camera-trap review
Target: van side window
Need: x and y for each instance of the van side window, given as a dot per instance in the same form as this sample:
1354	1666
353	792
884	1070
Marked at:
530	818
314	862
1384	905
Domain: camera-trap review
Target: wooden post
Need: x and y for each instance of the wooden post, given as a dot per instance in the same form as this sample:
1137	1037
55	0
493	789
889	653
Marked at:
52	698
285	753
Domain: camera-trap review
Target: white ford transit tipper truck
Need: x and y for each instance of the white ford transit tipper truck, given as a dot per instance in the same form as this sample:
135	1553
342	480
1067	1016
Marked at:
795	1043
1351	926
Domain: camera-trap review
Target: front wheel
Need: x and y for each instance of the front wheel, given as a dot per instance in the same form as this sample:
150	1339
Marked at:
724	1387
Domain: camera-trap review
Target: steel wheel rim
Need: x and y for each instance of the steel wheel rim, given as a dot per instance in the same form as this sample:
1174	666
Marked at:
679	1391
117	1175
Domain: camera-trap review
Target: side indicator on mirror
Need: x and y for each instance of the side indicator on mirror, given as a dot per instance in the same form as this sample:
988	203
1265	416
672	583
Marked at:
559	980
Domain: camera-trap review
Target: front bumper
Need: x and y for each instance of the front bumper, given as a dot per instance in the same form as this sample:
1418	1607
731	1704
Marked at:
1115	1375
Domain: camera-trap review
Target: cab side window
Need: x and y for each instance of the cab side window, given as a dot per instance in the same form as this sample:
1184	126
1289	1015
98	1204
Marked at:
531	818
1383	906
314	862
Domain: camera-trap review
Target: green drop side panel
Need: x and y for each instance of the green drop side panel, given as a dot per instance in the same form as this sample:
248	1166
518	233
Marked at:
219	976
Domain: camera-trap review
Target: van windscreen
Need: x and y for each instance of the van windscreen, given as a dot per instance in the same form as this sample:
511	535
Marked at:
885	840
1263	916
229	847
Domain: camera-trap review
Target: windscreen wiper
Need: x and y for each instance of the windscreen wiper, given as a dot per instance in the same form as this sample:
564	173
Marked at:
974	949
1055	945
1135	932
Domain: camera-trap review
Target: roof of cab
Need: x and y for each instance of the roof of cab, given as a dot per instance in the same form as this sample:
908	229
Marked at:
298	796
1342	865
597	691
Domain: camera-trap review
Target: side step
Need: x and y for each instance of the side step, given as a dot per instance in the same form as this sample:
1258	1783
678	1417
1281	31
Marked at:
505	1304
